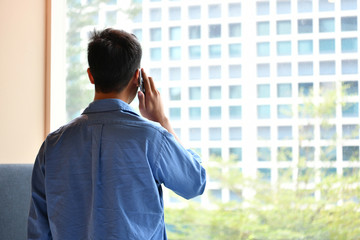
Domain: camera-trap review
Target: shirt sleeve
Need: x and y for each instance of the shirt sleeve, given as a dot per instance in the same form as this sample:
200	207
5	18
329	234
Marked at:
38	224
179	169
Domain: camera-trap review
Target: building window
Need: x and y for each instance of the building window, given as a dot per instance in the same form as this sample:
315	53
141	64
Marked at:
175	113
214	72
327	67
194	52
350	109
215	51
306	132
349	67
263	49
235	154
263	28
215	134
350	131
283	27
174	74
235	133
214	113
326	5
305	26
234	92
305	69
234	9
305	47
283	48
284	69
155	14
195	113
328	153
155	73
175	93
326	46
307	153
194	32
264	174
348	24
263	70
284	154
195	93
283	6
304	6
194	73
195	134
350	153
175	53
174	13
235	50
284	90
155	54
235	30
194	12
327	132
263	90
155	34
305	89
175	33
263	154
263	133
263	111
214	11
285	133
350	88
215	31
284	111
326	25
349	45
234	71
348	5
235	112
215	92
262	8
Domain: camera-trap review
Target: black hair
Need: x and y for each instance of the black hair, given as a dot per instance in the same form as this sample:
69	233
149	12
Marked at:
113	57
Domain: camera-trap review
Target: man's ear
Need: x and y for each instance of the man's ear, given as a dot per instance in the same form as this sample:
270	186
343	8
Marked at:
135	78
91	78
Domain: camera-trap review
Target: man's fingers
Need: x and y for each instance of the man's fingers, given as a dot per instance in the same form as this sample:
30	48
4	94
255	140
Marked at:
152	84
145	80
141	98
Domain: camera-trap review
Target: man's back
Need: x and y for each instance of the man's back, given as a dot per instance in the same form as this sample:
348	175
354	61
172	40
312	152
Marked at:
102	176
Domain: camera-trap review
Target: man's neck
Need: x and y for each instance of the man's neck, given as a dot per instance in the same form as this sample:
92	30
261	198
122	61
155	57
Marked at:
101	95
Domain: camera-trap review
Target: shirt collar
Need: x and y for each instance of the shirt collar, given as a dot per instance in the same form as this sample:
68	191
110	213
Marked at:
107	105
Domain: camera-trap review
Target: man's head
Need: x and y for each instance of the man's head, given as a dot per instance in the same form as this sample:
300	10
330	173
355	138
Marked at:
113	56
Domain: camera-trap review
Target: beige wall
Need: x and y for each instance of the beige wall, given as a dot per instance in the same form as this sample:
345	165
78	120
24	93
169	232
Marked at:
22	79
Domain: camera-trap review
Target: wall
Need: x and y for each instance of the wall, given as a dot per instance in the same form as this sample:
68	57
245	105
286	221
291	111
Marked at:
22	79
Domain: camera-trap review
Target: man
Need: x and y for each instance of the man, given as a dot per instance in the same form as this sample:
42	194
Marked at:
100	176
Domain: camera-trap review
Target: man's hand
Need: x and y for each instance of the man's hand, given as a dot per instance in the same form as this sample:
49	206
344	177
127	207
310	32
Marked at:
151	106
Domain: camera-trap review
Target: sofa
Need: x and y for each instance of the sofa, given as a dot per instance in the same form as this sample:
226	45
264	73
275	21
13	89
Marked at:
15	193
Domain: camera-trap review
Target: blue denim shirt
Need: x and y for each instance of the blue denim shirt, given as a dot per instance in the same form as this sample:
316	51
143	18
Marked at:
100	177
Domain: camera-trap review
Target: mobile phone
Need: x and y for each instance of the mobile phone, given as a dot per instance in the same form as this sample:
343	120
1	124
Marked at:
141	82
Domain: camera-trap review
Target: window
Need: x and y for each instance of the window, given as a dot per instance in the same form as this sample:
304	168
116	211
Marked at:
305	26
304	6
175	113
195	93
284	154
234	29
263	49
263	28
326	5
234	92
194	12
307	153
235	154
348	5
327	46
284	48
349	45
350	153
195	113
263	133
263	154
175	33
305	69
234	50
327	68
235	133
214	113
284	90
175	53
305	89
235	71
263	111
215	92
175	93
349	67
262	8
328	153
350	109
283	6
284	111
194	52
327	132
263	70
155	54
263	90
284	133
194	32
350	131
326	25
351	88
214	31
215	134
215	51
283	27
264	174
306	132
234	9
214	72
305	47
155	34
284	69
175	74
348	24
174	13
195	134
235	112
214	11
155	14
194	73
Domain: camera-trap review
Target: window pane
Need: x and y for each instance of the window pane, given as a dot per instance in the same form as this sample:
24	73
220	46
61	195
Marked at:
263	111
306	132
235	112
175	53
194	12
155	14
194	52
284	48
234	92
327	68
194	73
234	9
284	111
305	47
305	68
283	6
263	154
214	134
175	93
174	13
327	46
234	50
155	54
214	31
350	109
174	74
195	134
262	8
175	33
194	32
214	113
214	72
215	51
305	26
263	90
327	132
284	154
304	6
263	49
307	153
328	153
263	133
235	154
195	93
305	89
283	27
263	28
263	70
234	29
349	66
175	113
235	71
155	34
285	133
350	153
350	131
349	45
351	88
214	92
235	133
214	11
348	4
283	69
284	90
327	25
348	24
326	5
195	113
